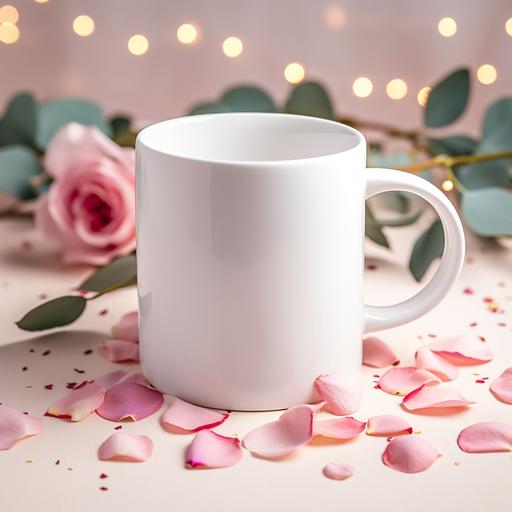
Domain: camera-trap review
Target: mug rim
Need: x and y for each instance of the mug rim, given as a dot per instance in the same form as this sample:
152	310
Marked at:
146	132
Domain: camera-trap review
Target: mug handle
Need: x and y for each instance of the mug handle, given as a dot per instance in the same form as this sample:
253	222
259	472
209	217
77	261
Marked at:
385	317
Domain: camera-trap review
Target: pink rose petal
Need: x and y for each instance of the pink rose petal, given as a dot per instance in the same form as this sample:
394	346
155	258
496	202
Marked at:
127	328
377	353
211	450
342	393
110	379
126	447
130	400
79	402
339	428
501	388
192	417
387	425
293	429
409	454
137	377
338	471
434	398
462	350
436	364
486	437
121	351
400	381
14	425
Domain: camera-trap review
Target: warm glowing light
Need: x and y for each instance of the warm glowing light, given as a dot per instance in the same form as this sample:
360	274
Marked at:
9	33
9	14
186	33
138	44
232	47
447	185
334	17
447	27
83	25
486	74
396	89
294	73
423	95
508	26
362	87
41	1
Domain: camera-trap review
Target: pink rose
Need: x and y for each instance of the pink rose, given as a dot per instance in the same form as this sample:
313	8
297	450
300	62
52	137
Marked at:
90	207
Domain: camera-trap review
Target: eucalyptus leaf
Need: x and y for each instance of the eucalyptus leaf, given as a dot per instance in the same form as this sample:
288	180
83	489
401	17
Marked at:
427	248
120	125
247	98
401	221
373	230
121	270
54	313
19	123
310	99
447	99
453	145
209	108
18	165
488	211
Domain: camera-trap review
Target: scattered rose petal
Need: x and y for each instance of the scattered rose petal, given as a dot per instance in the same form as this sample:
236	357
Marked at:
400	381
501	388
127	328
126	447
342	393
434	398
130	400
409	454
192	417
486	437
110	379
462	350
121	351
339	428
81	401
14	425
338	471
211	450
293	429
377	353
135	377
317	407
440	367
387	425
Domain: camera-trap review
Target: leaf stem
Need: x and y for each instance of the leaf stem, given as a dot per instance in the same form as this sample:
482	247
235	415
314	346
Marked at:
120	284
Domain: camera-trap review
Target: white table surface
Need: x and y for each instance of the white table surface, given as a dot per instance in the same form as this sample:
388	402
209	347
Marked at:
475	483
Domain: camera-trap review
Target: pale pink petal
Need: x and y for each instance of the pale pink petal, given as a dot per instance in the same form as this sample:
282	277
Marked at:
409	454
342	393
318	406
211	450
130	400
14	425
486	437
377	353
293	429
440	367
111	379
121	351
434	398
79	402
501	388
126	447
137	377
192	417
338	471
400	381
339	428
387	425
462	350
127	328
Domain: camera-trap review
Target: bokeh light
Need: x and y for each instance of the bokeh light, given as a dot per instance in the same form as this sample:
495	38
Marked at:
294	72
486	74
9	33
41	1
396	89
334	17
508	26
362	87
447	185
83	25
447	27
232	47
138	44
9	14
423	95
186	33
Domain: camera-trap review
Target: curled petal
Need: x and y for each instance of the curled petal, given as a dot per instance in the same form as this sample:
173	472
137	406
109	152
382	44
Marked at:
377	353
14	425
192	417
293	429
434	398
400	381
121	351
130	400
501	388
110	379
342	393
486	437
211	450
440	367
137	377
409	454
79	402
338	471
317	407
127	328
126	447
462	350
339	428
387	425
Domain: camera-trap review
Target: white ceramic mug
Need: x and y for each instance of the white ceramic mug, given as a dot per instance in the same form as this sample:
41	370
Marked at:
250	256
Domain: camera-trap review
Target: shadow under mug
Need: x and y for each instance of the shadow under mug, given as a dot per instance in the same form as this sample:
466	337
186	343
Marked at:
250	231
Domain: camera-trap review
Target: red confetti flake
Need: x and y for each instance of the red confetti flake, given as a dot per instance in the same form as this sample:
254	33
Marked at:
77	370
396	363
26	245
46	352
376	376
468	291
103	488
103	312
25	413
481	338
388	439
31	350
71	385
371	266
82	384
43	296
83	292
57	462
376	386
24	369
473	324
119	427
480	381
488	300
431	335
103	475
88	351
48	386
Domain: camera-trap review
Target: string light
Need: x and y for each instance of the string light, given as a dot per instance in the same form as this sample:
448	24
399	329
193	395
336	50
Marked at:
83	25
508	26
232	47
41	1
423	95
9	14
186	33
447	185
334	17
138	44
486	74
294	72
447	27
9	33
362	87
396	89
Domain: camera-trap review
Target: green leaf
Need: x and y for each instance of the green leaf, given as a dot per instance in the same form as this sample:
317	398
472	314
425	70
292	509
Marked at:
18	165
120	125
247	98
401	221
18	126
373	229
209	108
448	99
55	114
454	145
427	248
54	313
310	99
488	211
121	270
397	201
